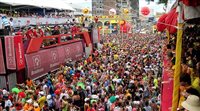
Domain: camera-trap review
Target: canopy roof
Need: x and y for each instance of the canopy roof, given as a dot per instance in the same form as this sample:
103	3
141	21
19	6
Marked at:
56	4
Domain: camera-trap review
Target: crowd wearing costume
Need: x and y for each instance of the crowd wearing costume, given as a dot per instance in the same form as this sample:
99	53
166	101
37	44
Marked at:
125	75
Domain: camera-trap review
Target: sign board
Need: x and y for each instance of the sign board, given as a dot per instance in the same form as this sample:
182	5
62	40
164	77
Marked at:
10	52
41	62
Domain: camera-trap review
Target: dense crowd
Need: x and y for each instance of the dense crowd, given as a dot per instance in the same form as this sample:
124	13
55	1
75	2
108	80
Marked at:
35	14
190	65
122	76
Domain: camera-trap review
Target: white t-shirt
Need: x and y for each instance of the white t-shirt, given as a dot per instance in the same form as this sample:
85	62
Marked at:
11	24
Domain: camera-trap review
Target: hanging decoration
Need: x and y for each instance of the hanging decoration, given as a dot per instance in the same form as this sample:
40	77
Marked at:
145	11
125	11
85	11
125	28
161	23
112	11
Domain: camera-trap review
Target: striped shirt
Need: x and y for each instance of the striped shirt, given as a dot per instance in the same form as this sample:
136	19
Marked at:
5	22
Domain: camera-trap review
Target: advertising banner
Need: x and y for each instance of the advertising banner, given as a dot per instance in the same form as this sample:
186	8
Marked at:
19	51
10	53
37	63
42	62
2	68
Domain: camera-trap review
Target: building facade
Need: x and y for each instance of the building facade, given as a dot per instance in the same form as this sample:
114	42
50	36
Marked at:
102	7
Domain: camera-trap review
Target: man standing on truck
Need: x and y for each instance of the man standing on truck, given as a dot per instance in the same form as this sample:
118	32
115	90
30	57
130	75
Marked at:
5	25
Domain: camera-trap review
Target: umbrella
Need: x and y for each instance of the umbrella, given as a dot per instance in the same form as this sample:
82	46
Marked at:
81	84
15	90
112	99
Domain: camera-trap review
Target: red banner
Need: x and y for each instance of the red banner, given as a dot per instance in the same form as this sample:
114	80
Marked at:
10	53
2	68
19	50
49	59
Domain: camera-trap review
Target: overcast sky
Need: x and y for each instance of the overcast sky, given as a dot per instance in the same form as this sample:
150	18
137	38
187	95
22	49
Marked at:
83	3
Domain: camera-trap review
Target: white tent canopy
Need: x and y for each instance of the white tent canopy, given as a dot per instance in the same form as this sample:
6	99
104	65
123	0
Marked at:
56	4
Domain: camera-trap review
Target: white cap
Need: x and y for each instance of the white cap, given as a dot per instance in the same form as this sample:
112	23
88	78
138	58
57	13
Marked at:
86	99
48	96
29	101
41	92
35	104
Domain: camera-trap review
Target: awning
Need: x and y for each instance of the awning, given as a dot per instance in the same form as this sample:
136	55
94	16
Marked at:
56	4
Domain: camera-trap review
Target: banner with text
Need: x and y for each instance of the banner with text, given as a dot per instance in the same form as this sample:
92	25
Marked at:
41	62
19	51
10	52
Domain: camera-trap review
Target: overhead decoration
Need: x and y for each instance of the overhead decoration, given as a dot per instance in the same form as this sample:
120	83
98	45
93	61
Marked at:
161	23
125	28
85	11
125	11
112	11
171	21
145	11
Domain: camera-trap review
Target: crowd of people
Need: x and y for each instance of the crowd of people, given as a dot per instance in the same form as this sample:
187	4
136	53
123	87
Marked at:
190	66
35	14
125	75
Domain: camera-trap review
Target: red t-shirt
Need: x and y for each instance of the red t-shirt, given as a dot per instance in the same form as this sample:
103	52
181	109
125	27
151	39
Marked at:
41	33
35	33
29	34
91	109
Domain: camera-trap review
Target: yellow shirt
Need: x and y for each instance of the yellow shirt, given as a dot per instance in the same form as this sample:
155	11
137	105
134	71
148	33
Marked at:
41	101
116	57
195	84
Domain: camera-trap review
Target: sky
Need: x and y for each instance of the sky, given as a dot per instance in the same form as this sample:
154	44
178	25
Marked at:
83	3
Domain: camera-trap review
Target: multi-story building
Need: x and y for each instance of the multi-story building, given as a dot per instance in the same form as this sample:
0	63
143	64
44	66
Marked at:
102	7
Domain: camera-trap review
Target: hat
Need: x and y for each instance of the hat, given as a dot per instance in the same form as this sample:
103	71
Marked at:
87	99
48	96
29	101
41	93
192	103
35	104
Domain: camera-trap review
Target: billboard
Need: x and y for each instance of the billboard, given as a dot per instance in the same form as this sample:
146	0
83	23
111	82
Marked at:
10	52
47	60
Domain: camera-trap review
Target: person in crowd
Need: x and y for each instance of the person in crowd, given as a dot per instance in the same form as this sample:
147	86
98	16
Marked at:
121	76
192	103
11	26
5	25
